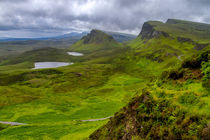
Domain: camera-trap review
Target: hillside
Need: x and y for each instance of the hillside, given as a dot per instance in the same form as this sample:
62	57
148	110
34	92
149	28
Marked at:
170	108
94	41
185	30
165	108
167	77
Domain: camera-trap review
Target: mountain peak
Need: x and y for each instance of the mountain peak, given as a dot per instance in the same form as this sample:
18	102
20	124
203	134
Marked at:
176	28
94	41
148	30
97	36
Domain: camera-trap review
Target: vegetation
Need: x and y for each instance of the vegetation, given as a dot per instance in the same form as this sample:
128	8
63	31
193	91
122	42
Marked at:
96	40
193	31
166	79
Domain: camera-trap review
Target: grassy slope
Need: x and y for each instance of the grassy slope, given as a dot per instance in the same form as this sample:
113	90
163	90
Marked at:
198	32
95	41
188	93
176	106
51	100
97	93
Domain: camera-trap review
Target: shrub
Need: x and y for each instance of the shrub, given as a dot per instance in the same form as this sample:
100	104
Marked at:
196	60
206	73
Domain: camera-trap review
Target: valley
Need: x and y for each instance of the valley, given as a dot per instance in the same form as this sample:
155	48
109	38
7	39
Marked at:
153	87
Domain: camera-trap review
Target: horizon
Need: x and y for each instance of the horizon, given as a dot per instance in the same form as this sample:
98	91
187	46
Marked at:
48	18
88	31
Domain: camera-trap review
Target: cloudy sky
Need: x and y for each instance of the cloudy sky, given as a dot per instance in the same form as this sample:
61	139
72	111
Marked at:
37	18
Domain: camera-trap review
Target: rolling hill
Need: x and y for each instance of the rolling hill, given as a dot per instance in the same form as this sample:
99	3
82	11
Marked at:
153	87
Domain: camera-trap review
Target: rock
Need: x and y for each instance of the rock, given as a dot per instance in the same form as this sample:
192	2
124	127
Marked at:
96	36
183	40
201	46
149	32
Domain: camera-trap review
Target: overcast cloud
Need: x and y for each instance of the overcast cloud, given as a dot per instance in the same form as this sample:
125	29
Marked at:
34	18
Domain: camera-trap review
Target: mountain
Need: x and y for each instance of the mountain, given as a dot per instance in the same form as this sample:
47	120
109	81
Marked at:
72	34
94	41
198	32
167	108
9	46
120	37
153	87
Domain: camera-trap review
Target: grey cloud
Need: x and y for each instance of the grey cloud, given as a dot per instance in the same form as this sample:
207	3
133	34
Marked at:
114	15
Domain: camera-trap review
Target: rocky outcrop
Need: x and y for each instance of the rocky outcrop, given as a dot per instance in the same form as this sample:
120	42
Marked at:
148	31
201	46
96	36
197	47
183	40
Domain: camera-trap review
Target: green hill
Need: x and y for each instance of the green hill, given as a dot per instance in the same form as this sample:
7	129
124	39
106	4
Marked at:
170	108
94	41
186	30
39	55
166	74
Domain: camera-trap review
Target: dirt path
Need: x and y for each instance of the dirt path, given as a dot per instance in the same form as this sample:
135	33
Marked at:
93	120
12	123
17	123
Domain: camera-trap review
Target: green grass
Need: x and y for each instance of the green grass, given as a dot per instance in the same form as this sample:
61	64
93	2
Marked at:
64	98
198	32
99	84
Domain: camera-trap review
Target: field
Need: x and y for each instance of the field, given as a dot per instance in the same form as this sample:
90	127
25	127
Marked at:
63	103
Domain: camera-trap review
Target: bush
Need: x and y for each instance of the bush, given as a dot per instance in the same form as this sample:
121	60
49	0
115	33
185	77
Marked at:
196	60
206	73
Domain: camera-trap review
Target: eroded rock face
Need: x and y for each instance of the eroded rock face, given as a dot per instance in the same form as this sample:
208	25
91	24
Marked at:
149	32
96	36
201	46
183	40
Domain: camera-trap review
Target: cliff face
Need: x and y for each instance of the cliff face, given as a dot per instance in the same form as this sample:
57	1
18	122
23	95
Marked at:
94	41
148	31
96	36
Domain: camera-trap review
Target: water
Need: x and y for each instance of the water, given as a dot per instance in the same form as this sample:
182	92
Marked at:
75	53
42	65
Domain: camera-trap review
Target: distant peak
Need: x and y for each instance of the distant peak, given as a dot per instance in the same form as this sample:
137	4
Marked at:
97	36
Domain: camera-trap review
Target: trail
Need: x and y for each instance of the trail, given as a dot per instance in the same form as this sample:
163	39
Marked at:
12	123
17	123
93	120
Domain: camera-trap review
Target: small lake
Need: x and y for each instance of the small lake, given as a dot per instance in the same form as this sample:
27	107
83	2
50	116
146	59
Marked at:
42	65
75	54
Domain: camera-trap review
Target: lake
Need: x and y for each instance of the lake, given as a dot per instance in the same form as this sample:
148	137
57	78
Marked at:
75	53
42	65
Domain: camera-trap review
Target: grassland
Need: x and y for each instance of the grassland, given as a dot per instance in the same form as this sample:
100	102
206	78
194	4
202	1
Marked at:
198	32
54	101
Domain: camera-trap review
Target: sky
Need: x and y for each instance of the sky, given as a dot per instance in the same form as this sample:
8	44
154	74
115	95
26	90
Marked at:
41	18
